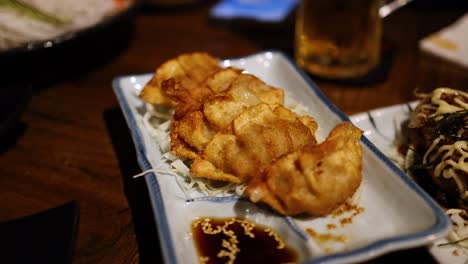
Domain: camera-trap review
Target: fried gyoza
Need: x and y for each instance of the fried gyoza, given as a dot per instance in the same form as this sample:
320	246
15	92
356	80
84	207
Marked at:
235	128
187	72
190	135
236	93
245	90
254	139
192	101
314	179
220	81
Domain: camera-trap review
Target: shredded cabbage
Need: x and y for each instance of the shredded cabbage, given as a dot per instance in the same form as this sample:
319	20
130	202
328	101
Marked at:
157	122
460	227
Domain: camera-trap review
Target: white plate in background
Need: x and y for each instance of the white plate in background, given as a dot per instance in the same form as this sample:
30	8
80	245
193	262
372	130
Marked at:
382	126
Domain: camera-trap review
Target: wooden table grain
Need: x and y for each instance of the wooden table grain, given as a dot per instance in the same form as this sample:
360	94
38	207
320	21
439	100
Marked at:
72	143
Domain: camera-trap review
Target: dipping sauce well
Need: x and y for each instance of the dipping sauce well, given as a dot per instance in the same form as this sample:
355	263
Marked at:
234	240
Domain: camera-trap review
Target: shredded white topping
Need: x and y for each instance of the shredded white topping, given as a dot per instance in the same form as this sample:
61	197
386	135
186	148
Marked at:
443	106
451	157
448	167
460	227
157	122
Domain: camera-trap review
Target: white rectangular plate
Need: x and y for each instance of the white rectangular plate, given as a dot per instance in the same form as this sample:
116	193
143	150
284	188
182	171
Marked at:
382	126
397	213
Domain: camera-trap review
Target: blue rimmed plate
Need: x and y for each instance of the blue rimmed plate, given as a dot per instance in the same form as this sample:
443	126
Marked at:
394	213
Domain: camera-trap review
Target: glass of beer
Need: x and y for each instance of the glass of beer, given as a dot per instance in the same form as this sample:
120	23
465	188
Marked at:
338	39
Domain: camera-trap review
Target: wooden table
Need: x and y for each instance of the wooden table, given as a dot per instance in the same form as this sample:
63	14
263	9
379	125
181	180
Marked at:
72	142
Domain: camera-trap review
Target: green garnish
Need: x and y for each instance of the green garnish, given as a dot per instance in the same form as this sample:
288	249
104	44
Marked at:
452	243
33	12
449	124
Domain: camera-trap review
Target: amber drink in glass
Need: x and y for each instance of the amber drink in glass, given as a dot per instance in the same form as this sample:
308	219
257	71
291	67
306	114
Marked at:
338	38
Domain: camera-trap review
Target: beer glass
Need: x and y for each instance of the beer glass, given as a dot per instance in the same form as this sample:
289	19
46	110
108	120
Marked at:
338	38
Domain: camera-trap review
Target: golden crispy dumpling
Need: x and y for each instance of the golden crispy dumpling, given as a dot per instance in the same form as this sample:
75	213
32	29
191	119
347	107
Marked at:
235	128
220	81
244	91
255	138
191	134
315	179
188	71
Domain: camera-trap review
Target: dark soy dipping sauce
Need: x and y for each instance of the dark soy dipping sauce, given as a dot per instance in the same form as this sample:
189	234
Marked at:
263	248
